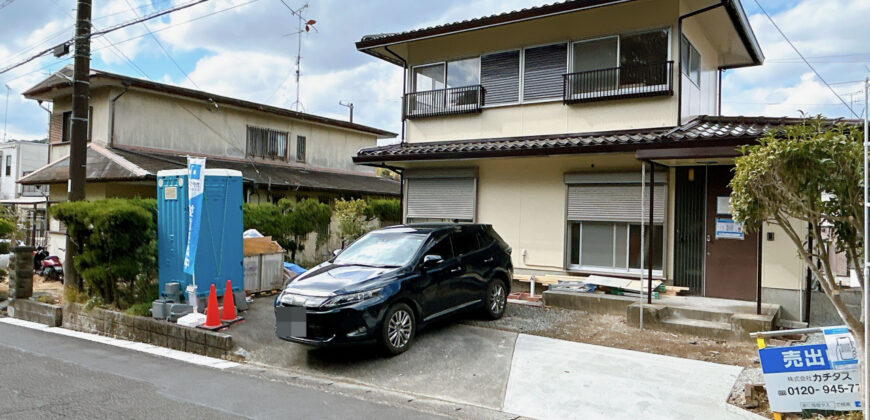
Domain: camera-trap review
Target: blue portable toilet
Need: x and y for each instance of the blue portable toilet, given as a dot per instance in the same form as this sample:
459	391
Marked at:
219	253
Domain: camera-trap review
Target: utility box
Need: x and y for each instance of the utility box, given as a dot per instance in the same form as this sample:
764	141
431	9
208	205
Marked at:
219	252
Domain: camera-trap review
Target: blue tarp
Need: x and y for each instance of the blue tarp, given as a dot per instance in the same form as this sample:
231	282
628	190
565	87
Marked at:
294	268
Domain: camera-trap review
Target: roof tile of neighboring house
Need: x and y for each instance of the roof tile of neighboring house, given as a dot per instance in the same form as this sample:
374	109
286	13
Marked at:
704	131
116	164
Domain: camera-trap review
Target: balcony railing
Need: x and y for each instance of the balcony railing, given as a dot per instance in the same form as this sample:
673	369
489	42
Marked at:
619	82
458	100
32	191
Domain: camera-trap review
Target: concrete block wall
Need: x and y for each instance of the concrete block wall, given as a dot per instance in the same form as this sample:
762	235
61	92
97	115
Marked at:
147	330
33	311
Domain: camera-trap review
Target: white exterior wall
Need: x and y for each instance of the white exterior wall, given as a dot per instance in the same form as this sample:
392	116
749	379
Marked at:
702	99
25	157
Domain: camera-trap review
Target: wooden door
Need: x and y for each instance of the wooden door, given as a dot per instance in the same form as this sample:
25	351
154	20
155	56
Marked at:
731	263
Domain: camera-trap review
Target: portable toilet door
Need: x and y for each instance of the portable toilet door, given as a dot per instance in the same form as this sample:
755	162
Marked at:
219	251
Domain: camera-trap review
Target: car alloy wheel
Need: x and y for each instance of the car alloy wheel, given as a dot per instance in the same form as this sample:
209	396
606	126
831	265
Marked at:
399	328
497	298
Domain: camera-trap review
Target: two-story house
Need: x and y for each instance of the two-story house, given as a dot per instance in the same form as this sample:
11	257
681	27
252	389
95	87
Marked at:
139	127
541	121
19	158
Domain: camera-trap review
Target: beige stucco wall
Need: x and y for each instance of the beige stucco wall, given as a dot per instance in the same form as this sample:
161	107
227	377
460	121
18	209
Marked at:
549	117
159	121
781	267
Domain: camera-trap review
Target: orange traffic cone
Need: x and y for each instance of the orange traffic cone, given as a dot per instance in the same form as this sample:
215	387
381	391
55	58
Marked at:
212	315
229	311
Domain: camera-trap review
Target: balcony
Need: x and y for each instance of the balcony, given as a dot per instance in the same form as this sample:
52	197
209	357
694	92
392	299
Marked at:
32	191
450	101
619	83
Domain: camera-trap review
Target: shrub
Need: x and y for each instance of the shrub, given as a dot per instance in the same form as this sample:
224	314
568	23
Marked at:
4	247
139	309
352	219
384	209
287	222
117	246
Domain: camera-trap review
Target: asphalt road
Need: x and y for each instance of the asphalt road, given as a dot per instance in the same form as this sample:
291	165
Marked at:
44	375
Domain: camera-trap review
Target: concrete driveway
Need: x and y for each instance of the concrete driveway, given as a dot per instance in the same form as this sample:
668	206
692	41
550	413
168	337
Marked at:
517	373
448	361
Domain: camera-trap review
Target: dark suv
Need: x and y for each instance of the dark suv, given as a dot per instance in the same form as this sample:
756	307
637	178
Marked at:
390	282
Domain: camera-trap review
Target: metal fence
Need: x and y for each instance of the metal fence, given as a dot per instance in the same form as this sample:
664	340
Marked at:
619	82
448	101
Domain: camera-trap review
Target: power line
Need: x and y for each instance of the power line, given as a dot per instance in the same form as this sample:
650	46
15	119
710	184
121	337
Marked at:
804	59
5	3
105	31
160	44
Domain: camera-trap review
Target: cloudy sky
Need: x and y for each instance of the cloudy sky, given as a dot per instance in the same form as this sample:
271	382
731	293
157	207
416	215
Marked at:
246	49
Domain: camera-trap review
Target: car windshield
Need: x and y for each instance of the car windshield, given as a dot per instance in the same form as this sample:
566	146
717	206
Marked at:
390	249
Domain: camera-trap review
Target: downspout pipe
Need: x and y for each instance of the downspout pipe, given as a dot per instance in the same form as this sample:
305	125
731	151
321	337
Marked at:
112	115
680	55
404	87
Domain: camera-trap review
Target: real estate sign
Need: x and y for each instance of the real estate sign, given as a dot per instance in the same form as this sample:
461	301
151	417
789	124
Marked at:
813	376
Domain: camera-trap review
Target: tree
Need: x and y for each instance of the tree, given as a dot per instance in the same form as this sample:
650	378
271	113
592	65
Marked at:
117	244
808	175
288	222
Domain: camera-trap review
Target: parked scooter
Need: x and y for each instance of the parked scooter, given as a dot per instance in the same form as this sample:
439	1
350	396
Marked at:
49	266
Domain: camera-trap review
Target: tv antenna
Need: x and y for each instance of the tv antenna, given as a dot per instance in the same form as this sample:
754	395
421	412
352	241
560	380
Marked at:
349	106
304	25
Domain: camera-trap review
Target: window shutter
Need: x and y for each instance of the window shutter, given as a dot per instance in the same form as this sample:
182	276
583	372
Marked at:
614	197
544	67
441	198
500	77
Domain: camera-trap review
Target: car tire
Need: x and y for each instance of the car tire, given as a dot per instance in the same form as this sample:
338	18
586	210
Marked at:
397	331
496	299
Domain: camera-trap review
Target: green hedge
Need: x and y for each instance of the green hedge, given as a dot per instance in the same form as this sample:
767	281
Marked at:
116	241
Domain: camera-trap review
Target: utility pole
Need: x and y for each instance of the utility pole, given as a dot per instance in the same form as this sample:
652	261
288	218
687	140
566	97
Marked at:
349	105
79	126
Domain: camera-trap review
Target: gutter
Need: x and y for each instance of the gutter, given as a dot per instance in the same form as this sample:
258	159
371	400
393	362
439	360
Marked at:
112	115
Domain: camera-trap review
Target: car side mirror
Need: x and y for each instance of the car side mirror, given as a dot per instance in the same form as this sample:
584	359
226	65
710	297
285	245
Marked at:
336	252
430	261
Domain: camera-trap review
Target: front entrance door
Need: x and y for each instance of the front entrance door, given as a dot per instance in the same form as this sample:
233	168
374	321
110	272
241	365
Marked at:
731	262
689	204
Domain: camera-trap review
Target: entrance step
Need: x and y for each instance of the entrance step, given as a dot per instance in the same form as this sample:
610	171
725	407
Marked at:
701	314
711	329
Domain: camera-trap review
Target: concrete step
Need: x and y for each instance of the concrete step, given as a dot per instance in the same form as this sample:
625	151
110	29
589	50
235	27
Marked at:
700	314
703	328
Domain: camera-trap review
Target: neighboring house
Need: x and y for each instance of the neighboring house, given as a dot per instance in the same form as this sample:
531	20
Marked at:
539	122
19	158
140	127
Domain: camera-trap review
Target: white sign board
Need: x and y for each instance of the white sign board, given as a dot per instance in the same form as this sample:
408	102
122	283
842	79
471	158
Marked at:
728	229
813	376
723	204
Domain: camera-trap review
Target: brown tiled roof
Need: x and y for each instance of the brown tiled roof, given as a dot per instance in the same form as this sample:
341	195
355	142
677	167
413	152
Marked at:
116	164
733	7
703	131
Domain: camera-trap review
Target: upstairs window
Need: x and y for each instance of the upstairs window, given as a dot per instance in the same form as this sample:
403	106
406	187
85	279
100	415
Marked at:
267	143
66	133
8	165
626	63
449	74
690	61
300	148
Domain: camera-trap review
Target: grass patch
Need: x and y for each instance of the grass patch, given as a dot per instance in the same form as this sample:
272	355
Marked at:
139	309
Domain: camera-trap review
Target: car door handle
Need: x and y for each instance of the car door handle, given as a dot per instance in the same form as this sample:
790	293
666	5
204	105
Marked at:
489	260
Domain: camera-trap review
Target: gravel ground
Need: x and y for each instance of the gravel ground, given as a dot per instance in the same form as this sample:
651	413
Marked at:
612	331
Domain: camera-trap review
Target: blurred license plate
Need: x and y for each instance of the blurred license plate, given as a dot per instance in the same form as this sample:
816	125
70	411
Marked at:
290	321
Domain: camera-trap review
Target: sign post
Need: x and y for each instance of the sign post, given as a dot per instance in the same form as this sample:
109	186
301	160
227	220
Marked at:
195	187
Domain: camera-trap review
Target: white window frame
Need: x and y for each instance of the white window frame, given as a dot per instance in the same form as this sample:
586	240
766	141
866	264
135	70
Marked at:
412	88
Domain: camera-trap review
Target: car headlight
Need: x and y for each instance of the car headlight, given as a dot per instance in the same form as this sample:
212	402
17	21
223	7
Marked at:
292	299
351	298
